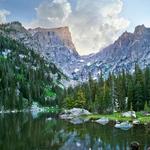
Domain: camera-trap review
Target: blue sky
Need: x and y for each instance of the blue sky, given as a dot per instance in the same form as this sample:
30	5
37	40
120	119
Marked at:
137	11
82	16
22	10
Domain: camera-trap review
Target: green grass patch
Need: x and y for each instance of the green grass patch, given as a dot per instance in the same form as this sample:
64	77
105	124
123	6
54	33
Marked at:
119	117
49	93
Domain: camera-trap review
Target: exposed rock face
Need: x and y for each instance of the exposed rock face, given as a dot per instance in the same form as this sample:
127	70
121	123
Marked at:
130	48
63	34
56	46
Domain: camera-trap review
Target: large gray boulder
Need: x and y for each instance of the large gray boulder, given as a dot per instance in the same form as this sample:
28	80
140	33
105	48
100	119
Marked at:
74	113
78	120
129	114
123	125
102	121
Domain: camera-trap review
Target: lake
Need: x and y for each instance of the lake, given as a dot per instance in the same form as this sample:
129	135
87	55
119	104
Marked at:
23	131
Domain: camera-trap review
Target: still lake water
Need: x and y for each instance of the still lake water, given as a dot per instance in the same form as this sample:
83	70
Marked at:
23	132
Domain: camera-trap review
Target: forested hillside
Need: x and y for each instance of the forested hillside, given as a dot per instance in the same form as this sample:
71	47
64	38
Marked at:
26	77
120	92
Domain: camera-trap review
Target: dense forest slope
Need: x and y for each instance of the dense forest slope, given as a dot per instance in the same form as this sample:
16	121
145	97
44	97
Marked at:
55	45
122	92
26	77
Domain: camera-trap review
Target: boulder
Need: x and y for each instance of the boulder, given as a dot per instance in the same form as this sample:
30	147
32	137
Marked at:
73	113
134	146
136	122
103	121
129	114
124	125
49	119
146	113
78	120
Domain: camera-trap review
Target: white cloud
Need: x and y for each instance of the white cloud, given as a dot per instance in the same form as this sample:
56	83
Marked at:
3	14
52	13
93	23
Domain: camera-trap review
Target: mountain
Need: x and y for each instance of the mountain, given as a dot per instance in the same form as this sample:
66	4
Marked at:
124	53
26	77
55	45
63	33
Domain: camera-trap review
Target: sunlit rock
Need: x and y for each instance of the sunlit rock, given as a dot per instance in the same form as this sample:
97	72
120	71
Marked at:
78	120
129	114
73	113
136	122
124	125
103	121
49	119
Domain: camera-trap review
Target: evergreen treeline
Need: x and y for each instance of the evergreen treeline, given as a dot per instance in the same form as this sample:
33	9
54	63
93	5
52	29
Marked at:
26	77
117	93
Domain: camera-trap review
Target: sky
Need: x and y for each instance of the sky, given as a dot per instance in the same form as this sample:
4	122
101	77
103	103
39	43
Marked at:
94	24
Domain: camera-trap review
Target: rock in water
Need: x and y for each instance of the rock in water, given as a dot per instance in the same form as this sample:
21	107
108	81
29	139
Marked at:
136	122
73	113
124	125
78	120
49	119
103	121
135	146
129	114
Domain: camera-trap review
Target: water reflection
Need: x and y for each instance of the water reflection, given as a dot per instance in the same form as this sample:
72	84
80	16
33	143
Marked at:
22	132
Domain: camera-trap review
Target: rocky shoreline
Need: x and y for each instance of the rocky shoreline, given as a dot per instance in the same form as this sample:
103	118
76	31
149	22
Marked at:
126	121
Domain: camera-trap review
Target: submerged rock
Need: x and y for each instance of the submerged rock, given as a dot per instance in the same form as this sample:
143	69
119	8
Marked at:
103	121
73	113
129	114
134	146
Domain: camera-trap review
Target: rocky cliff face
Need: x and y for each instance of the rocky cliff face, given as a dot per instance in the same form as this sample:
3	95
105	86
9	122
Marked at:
130	48
56	46
62	33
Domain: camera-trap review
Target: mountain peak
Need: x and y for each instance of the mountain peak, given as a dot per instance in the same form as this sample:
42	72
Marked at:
124	39
62	32
126	34
139	29
40	29
12	26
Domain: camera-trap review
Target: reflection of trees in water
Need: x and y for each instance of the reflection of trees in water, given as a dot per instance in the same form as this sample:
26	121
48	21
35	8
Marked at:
108	137
21	132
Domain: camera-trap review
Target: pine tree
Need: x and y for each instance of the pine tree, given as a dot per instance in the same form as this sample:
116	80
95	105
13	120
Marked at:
81	100
130	91
147	85
138	102
120	91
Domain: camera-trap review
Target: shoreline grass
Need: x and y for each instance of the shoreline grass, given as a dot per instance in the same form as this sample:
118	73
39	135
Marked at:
117	116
